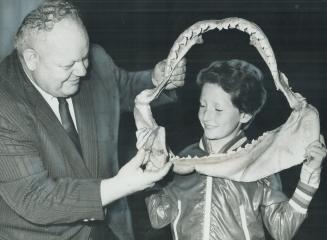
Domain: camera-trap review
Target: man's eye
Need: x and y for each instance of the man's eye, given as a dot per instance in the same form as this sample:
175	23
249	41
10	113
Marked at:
218	110
68	66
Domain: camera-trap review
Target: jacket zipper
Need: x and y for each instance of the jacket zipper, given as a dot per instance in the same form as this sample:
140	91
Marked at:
207	209
179	206
244	223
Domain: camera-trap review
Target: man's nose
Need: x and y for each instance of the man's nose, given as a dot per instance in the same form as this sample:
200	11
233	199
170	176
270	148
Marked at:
80	69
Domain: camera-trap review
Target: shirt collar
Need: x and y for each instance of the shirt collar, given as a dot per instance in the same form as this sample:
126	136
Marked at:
45	95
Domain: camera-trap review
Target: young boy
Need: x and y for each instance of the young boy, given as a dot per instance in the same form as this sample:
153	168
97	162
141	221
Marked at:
205	207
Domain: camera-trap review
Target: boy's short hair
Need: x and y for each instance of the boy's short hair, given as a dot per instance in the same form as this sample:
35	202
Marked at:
242	80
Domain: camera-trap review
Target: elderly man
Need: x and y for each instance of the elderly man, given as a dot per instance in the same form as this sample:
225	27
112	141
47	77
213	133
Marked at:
60	100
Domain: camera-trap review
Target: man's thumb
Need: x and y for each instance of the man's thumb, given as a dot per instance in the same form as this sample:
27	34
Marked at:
139	158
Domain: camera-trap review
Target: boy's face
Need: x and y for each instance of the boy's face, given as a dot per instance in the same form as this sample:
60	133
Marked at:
219	118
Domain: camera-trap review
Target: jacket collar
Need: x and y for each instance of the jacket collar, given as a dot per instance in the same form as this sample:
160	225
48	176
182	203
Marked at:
239	140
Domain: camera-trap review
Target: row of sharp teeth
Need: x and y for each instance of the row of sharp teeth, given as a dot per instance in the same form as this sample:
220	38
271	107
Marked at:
234	24
238	150
256	35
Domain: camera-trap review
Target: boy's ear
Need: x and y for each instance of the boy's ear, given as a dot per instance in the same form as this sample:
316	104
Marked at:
30	56
245	117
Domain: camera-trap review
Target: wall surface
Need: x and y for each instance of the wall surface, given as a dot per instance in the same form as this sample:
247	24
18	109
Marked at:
12	13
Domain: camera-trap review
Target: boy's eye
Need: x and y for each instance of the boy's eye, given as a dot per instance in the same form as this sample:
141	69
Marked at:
218	110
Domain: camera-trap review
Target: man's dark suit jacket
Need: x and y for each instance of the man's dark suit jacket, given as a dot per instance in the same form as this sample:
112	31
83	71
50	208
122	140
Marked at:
46	187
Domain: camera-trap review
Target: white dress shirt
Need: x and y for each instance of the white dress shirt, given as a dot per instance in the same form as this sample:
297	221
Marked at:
54	104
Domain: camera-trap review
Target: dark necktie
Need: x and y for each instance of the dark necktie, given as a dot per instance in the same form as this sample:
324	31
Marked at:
67	122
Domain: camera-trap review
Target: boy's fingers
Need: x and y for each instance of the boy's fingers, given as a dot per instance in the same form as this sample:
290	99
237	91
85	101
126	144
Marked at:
316	143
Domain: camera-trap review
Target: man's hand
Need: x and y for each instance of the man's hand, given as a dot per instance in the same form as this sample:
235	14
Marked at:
315	154
177	78
131	178
137	178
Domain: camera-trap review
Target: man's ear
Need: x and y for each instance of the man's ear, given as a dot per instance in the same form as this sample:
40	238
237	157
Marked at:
30	57
245	117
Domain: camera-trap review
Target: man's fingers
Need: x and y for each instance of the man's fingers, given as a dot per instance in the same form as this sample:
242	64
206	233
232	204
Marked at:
176	81
164	170
182	62
180	68
175	84
322	139
179	71
159	174
138	159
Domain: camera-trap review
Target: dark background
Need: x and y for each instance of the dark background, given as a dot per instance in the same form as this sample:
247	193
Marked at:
139	33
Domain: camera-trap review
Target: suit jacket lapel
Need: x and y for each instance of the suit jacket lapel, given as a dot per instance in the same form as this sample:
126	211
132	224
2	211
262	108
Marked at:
86	125
52	125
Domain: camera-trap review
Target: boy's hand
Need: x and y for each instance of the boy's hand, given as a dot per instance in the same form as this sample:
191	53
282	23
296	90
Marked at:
315	153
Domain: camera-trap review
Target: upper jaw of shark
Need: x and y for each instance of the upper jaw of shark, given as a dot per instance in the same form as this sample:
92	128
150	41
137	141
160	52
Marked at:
272	152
